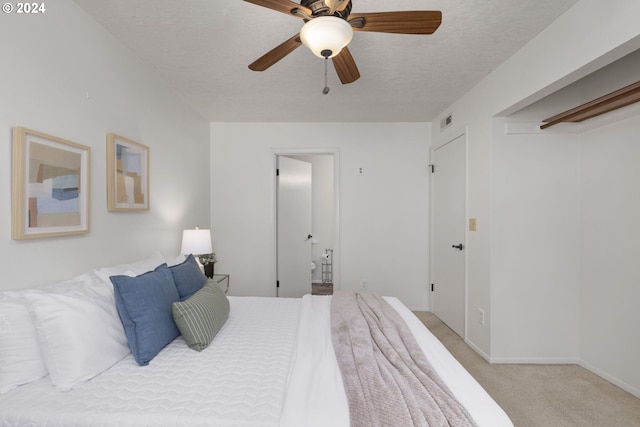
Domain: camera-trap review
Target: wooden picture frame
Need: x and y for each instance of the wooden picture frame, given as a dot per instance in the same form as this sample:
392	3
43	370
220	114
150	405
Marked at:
127	174
50	186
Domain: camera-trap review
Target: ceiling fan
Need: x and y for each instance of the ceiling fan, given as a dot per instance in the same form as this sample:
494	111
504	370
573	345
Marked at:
329	26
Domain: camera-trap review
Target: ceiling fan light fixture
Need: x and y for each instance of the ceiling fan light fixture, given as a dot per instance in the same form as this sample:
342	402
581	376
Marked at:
326	33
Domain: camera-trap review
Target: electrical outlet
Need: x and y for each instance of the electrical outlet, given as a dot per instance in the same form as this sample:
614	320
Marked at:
364	283
360	171
481	316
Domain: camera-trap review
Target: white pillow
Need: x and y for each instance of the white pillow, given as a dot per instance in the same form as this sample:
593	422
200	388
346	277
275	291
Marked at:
137	267
20	358
177	260
79	331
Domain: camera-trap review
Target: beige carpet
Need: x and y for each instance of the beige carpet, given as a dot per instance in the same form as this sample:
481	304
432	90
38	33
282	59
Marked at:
543	395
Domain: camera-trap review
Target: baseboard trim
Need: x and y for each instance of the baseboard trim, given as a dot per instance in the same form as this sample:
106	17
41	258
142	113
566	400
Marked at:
478	350
551	361
523	360
613	380
536	360
556	361
419	308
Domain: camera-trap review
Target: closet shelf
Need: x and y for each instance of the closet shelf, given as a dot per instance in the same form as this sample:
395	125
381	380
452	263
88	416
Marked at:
612	101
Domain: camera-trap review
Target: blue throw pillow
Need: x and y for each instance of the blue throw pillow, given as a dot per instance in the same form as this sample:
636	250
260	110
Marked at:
144	305
188	277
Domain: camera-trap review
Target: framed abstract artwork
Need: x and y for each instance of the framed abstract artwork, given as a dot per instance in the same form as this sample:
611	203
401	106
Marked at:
127	174
50	186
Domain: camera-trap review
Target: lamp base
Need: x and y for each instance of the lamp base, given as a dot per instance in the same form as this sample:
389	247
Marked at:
208	269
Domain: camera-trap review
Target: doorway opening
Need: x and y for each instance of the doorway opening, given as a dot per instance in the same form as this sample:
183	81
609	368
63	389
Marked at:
302	264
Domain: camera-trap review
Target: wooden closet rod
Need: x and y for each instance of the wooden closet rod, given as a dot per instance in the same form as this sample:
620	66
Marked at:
612	101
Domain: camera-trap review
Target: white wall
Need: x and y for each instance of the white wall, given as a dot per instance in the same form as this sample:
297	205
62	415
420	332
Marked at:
322	208
610	291
535	246
383	214
64	75
557	56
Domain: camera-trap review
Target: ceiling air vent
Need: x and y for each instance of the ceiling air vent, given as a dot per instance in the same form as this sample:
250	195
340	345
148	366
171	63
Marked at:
446	122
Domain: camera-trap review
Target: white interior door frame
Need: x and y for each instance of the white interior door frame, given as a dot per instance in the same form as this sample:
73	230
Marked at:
462	133
275	152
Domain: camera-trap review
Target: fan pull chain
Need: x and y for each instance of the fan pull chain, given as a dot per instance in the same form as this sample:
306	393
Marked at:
326	89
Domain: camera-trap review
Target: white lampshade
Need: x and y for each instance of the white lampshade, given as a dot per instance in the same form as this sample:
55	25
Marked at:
197	242
326	33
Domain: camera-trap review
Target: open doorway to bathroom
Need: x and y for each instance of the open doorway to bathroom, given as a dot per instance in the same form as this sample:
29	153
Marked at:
321	251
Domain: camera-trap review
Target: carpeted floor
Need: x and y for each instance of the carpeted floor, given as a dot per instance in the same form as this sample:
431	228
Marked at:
543	395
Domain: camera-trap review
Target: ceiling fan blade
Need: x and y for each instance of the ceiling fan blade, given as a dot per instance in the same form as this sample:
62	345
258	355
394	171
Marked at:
336	5
276	54
345	66
284	6
404	22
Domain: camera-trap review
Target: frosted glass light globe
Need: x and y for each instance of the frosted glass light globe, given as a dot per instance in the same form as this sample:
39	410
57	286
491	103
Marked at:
326	33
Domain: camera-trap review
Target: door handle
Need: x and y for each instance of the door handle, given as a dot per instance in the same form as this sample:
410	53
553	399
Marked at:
458	246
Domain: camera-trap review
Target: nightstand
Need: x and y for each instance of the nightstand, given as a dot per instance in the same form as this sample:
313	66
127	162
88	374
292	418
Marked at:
220	279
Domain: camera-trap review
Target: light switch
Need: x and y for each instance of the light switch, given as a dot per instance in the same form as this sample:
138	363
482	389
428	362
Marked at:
472	224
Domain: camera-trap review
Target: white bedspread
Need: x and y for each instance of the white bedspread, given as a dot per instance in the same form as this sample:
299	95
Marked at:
237	381
279	371
316	397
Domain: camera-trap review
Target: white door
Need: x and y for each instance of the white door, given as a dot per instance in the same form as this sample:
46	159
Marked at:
448	234
293	227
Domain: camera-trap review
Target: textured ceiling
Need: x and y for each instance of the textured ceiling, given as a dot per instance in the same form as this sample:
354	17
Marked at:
202	49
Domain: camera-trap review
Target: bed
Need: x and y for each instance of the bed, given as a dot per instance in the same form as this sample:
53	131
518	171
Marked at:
271	363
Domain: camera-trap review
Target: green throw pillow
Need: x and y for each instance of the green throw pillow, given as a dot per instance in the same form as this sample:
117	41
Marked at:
200	317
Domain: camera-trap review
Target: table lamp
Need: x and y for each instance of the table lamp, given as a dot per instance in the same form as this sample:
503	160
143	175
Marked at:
198	243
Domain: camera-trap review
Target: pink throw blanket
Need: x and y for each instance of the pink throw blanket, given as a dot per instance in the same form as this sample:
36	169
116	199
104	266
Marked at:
387	378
